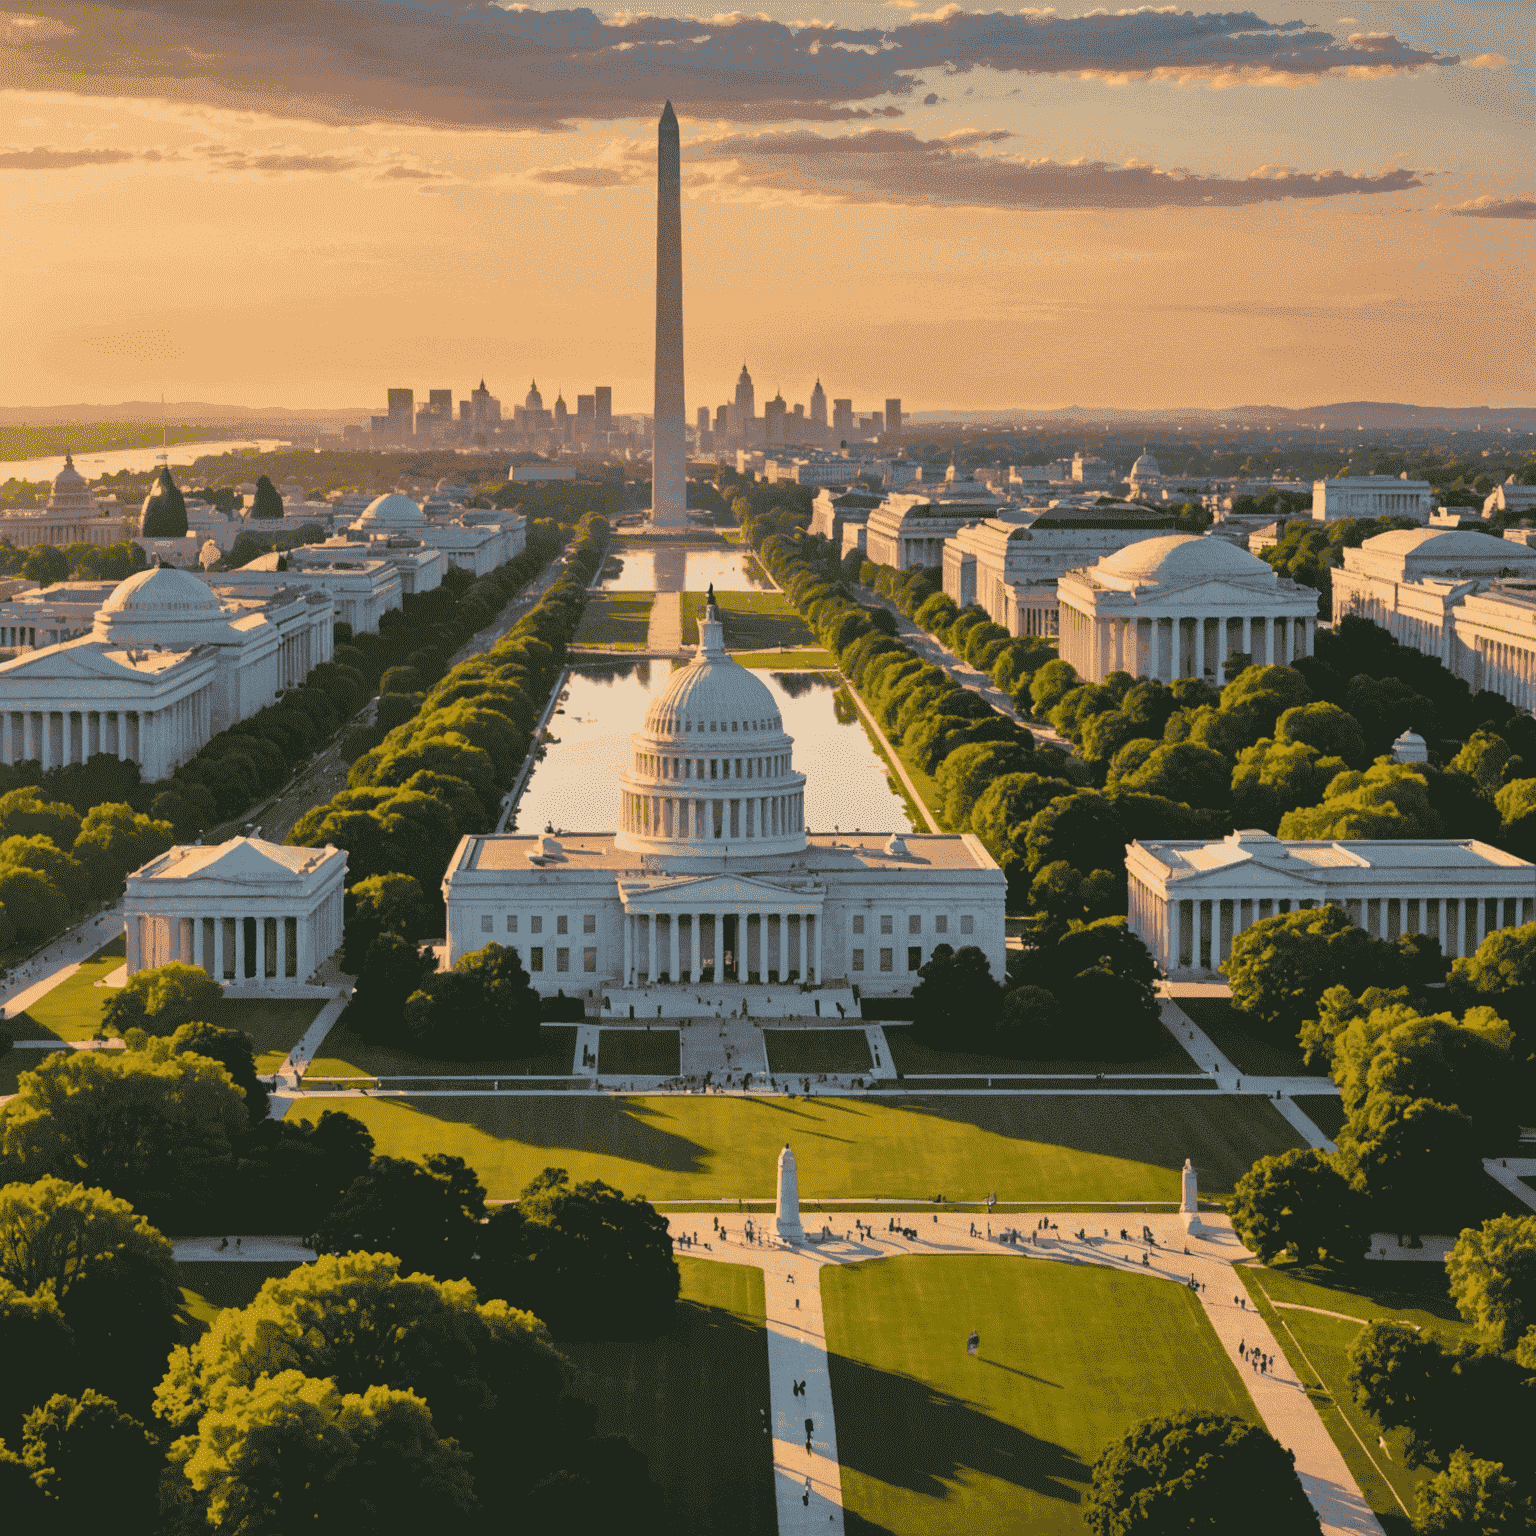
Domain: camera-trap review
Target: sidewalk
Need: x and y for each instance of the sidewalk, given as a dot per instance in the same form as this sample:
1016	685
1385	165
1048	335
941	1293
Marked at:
55	964
665	636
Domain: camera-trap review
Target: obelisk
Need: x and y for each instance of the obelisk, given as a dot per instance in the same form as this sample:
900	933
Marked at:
787	1212
1189	1198
669	450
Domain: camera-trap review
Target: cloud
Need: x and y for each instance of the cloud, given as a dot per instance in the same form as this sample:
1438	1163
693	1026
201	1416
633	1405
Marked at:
1490	207
896	167
217	158
1488	61
480	65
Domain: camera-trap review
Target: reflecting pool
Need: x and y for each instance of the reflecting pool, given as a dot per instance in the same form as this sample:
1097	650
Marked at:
683	570
576	786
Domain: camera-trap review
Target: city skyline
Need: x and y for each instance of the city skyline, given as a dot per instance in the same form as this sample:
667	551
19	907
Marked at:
1031	210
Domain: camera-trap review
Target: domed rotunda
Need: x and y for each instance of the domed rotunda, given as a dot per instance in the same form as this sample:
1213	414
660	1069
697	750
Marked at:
711	772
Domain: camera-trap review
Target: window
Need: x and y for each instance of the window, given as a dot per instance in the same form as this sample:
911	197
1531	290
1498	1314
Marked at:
858	924
589	960
914	923
535	925
885	925
487	923
941	924
511	925
858	959
562	959
967	925
589	923
714	767
914	957
885	960
536	957
560	925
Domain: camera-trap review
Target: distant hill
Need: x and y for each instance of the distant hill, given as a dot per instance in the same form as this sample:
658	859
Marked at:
1342	414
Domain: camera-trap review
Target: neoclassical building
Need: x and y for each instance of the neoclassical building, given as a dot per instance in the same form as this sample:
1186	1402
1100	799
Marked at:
71	515
909	530
712	874
1178	606
166	666
1466	598
248	912
1190	899
1010	564
1372	496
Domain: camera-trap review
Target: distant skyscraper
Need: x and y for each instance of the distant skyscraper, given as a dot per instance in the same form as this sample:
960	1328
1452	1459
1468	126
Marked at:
702	417
722	421
602	402
744	407
586	412
893	417
773	420
842	418
818	406
669	452
402	412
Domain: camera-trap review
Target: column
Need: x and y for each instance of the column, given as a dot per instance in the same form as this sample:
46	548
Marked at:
218	949
239	951
1445	948
1247	639
1219	666
132	925
1482	919
799	964
672	949
1198	910
629	947
261	950
1171	958
282	948
816	918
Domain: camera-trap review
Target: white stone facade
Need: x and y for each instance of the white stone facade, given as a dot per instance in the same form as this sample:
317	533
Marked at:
361	591
1190	899
71	515
250	913
1178	606
1372	496
908	530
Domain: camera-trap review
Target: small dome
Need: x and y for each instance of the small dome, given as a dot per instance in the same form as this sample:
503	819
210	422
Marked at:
1146	467
69	478
392	511
1410	748
1181	557
162	589
535	401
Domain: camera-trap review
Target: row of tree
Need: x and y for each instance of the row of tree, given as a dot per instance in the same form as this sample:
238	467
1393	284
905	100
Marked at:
49	563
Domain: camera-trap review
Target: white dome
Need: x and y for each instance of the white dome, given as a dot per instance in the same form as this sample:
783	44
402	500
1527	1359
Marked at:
162	591
1146	467
69	478
392	511
1181	557
712	694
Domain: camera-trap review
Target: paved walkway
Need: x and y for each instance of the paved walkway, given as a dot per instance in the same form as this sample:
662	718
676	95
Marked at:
54	964
1509	1171
288	1076
665	636
796	1344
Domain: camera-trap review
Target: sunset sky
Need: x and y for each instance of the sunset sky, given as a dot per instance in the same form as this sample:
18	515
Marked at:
304	202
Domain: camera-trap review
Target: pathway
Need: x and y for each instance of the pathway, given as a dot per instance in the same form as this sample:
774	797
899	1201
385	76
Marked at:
799	1353
665	636
58	960
288	1076
1509	1171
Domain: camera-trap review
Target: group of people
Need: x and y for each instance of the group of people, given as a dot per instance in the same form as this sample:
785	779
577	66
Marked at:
1257	1361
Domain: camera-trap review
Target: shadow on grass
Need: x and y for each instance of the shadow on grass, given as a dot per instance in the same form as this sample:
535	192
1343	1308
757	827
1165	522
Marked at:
907	1434
909	1055
1243	1043
639	1052
1222	1136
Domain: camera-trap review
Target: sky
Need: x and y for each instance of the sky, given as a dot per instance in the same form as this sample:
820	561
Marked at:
306	202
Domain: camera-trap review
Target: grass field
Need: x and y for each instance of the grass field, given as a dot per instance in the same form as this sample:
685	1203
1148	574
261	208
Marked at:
787	661
690	1402
639	1052
1318	1347
620	619
752	620
932	1441
1324	1110
799	1051
348	1056
1240	1042
1027	1148
912	1056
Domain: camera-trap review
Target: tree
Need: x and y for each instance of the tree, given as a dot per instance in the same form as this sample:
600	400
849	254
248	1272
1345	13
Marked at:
108	1271
161	999
393	970
292	1172
1502	974
1388	800
1280	966
484	1007
268	504
427	1214
1488	758
1273	777
97	1467
39	1353
33	903
1414	1158
1298	1203
967	773
153	1126
63	872
232	1049
1184	772
165	509
45	564
1082	827
1050	685
1066	894
1030	1025
1492	1271
590	1261
390	903
956	998
291	1450
1473	1498
25	813
114	841
1188	1471
1331	731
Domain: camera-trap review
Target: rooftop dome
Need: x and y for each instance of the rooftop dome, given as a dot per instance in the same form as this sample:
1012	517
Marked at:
162	590
713	693
392	511
1146	467
1450	544
1181	557
69	478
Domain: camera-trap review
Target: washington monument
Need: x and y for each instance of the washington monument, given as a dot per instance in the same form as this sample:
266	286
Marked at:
669	456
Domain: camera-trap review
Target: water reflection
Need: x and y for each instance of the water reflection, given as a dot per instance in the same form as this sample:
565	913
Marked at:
683	570
577	785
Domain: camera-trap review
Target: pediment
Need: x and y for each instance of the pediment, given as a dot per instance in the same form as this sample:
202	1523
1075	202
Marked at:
243	863
76	661
715	892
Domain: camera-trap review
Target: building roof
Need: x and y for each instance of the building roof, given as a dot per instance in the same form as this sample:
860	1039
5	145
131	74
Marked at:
162	591
240	861
1181	557
1447	544
392	511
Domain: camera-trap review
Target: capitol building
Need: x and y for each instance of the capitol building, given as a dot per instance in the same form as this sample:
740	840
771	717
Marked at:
712	876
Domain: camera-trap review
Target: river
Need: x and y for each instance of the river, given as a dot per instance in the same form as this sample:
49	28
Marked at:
110	460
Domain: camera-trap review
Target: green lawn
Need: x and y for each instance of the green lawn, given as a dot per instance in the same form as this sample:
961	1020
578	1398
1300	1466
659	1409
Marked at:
690	1402
791	661
1241	1041
799	1051
1027	1148
615	618
912	1056
932	1441
73	1009
1324	1110
639	1052
348	1056
1318	1347
753	621
275	1024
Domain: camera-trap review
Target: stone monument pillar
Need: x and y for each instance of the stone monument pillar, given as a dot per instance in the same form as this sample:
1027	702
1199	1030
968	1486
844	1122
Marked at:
787	1214
669	445
1189	1198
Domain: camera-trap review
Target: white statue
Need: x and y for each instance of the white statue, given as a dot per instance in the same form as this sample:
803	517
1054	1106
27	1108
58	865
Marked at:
1189	1200
787	1215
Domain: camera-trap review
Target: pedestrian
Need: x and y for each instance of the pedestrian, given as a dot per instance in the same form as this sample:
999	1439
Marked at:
1242	1349
797	1303
973	1343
